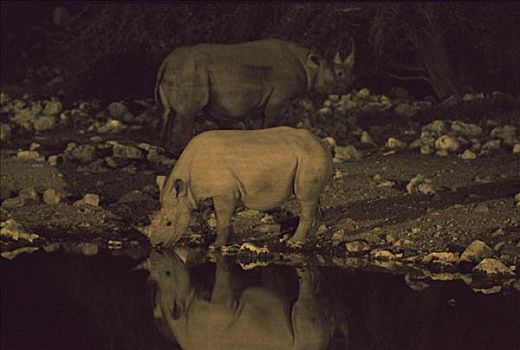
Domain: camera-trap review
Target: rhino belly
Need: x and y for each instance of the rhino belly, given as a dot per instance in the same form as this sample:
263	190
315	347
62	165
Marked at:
237	100
267	194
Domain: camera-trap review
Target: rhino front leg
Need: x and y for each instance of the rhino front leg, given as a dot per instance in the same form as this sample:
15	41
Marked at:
182	130
224	208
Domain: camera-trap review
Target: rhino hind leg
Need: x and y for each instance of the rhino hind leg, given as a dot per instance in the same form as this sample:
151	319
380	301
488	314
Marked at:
307	221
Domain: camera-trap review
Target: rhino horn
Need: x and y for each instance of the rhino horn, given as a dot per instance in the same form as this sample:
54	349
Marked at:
349	61
337	58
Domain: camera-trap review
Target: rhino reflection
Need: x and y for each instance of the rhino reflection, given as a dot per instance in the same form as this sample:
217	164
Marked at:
235	316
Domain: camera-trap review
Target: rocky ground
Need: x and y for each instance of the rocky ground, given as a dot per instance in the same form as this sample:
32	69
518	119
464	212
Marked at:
417	183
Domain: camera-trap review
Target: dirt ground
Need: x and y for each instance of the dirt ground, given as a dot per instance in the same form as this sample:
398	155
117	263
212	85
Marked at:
385	205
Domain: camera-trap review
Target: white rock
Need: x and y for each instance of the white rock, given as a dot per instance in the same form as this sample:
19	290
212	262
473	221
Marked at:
91	199
516	148
357	246
468	155
342	154
447	143
51	197
507	133
437	126
476	251
393	143
493	267
466	129
363	93
491	145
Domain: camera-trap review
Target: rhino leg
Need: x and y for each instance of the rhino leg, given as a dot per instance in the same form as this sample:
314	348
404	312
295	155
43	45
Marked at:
307	220
224	208
273	114
309	324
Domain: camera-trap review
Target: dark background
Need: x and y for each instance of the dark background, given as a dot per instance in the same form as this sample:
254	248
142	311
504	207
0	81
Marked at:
112	50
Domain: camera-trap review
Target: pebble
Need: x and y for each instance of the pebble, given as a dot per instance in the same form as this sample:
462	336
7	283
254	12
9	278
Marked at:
51	197
468	155
481	209
357	246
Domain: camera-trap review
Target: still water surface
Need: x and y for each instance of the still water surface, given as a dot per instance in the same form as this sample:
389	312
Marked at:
67	301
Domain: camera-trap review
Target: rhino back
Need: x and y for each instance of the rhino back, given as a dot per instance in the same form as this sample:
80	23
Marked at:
242	77
253	162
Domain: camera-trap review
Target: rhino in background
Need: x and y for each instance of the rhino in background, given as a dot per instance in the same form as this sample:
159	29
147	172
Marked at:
238	316
234	81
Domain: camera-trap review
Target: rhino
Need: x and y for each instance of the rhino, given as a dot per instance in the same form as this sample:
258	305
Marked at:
235	81
237	315
259	169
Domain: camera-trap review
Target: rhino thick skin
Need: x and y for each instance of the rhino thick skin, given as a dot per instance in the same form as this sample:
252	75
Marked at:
235	81
260	169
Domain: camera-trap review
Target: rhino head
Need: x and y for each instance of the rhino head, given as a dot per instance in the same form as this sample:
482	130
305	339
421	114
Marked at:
335	78
176	213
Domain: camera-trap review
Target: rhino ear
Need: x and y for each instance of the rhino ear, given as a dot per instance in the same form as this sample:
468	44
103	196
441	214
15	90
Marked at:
349	61
314	60
180	188
160	180
337	58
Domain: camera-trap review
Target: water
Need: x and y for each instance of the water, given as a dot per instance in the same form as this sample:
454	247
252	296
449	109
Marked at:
68	301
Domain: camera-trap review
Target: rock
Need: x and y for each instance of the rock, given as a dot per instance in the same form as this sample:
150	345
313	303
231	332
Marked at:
13	203
52	108
481	209
47	122
34	155
363	93
127	152
493	268
466	129
117	109
333	97
338	236
5	132
15	231
491	145
441	258
516	148
476	251
390	238
420	184
342	154
442	153
325	111
51	197
91	199
112	126
357	247
437	126
53	160
468	155
507	133
426	150
405	110
447	143
383	255
81	153
395	144
29	195
517	197
503	99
